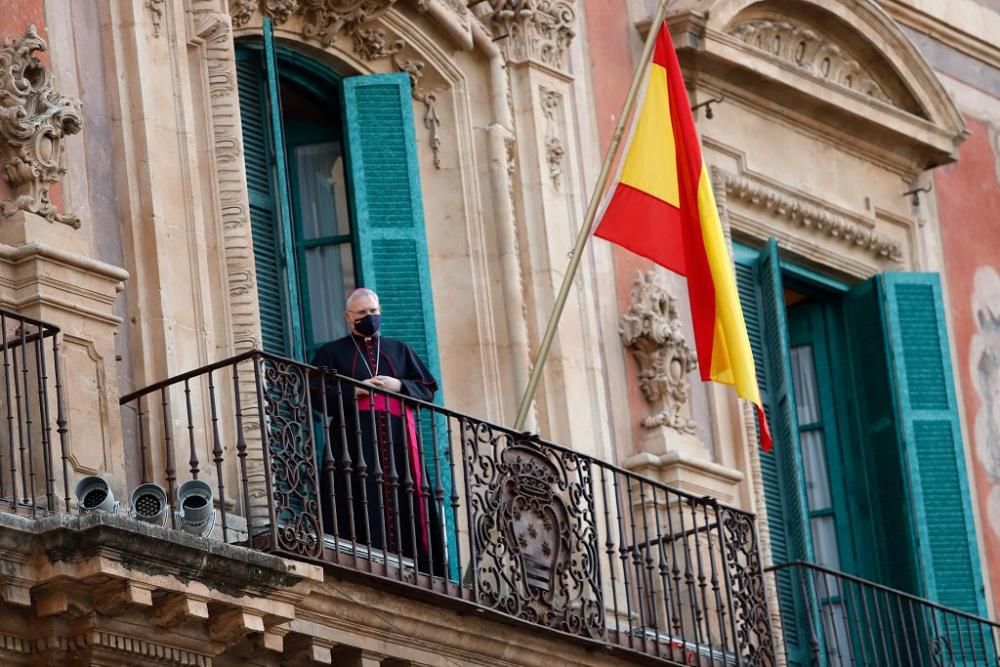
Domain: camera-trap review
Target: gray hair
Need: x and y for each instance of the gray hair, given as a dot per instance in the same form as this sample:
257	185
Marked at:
358	294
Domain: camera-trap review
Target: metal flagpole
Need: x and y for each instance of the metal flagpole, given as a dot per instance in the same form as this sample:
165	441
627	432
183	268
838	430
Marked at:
588	221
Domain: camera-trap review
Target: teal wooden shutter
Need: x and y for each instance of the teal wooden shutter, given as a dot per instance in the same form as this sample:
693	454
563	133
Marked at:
758	281
391	245
388	210
267	187
932	454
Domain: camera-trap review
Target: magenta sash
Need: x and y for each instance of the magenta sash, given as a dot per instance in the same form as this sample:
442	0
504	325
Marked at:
395	407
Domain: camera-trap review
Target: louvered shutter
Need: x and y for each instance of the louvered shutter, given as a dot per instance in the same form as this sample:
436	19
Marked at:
257	151
932	453
758	280
388	211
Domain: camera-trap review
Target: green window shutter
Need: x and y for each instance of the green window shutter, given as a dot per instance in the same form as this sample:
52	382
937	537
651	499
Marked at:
264	214
933	453
758	280
388	211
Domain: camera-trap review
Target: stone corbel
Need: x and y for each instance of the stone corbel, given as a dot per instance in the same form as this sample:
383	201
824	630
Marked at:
35	119
115	597
178	608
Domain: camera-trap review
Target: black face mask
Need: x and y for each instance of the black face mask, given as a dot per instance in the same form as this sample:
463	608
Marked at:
368	325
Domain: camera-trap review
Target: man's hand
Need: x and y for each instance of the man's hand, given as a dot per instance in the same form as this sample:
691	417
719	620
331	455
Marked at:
386	382
361	391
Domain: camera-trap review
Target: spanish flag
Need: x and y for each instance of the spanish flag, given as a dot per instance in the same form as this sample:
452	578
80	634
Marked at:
663	208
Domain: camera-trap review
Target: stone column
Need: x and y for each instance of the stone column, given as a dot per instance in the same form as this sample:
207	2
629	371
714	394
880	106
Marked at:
534	37
47	273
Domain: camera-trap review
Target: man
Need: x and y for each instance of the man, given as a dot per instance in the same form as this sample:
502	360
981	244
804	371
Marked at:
377	448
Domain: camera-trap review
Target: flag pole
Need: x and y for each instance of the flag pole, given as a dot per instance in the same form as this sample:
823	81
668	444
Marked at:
588	220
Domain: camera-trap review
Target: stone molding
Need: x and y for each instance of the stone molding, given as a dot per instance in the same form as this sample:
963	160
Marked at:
652	330
533	30
35	118
812	53
808	216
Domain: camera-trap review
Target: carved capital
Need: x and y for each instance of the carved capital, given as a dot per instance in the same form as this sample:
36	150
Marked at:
539	30
34	120
652	329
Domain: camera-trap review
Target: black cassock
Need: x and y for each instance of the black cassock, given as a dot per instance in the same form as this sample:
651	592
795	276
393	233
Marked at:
391	443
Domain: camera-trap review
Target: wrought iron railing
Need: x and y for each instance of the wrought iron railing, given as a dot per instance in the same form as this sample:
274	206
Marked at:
33	422
434	502
847	620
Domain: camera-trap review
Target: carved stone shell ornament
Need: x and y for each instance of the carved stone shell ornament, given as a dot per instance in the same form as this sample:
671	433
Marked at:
34	120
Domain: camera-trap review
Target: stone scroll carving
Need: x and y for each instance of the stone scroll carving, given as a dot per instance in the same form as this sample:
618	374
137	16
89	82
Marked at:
651	328
807	50
34	120
533	29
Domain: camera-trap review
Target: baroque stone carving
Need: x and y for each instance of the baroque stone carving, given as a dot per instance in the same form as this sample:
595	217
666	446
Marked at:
554	150
325	20
651	328
34	120
810	52
415	68
811	217
533	29
155	8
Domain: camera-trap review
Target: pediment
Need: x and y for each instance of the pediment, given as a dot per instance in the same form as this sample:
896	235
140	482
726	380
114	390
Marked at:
845	64
824	51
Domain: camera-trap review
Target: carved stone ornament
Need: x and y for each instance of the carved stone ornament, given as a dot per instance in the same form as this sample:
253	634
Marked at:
805	49
554	150
533	29
34	120
804	215
325	20
652	330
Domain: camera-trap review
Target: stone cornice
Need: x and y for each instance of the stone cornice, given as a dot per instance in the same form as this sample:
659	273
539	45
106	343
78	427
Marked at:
801	213
969	44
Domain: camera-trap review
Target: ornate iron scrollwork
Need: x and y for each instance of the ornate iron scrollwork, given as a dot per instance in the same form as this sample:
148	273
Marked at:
746	580
291	455
534	534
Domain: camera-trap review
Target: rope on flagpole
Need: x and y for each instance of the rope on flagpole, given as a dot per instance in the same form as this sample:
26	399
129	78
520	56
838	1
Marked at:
588	221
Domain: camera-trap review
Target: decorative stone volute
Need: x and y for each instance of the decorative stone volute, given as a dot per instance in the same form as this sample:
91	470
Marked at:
651	328
539	30
34	120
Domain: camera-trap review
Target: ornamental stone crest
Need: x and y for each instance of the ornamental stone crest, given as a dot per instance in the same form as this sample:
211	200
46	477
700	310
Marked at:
808	51
652	330
34	120
538	30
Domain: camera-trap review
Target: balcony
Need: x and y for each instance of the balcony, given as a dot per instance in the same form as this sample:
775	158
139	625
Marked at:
274	457
851	621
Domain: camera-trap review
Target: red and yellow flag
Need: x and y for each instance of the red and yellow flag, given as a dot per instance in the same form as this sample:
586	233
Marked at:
663	208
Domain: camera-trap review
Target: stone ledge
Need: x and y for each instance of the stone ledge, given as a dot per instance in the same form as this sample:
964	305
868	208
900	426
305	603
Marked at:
154	550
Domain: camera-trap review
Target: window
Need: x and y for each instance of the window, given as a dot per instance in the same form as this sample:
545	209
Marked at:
867	474
335	199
